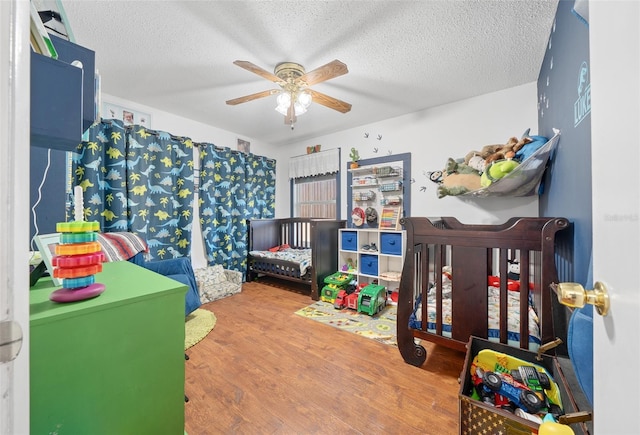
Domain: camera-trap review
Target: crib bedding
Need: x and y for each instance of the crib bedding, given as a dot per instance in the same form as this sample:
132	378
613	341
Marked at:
493	333
300	259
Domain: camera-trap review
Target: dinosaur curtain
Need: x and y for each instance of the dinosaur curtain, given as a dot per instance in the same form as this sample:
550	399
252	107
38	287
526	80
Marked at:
138	180
234	187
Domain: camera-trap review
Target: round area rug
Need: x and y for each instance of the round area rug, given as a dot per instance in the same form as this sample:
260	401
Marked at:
197	325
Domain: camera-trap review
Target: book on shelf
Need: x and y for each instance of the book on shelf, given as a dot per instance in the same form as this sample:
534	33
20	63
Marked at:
40	40
54	18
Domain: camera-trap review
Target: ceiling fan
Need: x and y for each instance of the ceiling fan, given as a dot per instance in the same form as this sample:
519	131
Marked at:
295	94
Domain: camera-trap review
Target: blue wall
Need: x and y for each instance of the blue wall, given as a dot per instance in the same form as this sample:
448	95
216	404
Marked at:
51	207
564	103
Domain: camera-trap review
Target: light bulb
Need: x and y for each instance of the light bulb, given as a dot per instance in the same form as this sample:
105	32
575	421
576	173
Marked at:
284	101
304	98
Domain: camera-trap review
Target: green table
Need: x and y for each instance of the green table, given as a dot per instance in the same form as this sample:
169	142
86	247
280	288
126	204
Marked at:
113	364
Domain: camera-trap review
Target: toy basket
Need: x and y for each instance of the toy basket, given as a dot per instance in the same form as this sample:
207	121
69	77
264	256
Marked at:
390	187
367	195
387	171
391	200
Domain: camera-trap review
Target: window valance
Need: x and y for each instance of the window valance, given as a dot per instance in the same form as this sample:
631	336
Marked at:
325	162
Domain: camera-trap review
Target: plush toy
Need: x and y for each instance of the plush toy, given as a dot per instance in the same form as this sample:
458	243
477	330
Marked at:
456	179
491	153
525	152
496	170
513	270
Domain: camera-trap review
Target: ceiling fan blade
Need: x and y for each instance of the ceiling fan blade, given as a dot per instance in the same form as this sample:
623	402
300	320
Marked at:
330	102
325	72
252	97
257	70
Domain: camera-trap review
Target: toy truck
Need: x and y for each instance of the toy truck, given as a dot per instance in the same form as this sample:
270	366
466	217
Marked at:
519	394
372	299
330	293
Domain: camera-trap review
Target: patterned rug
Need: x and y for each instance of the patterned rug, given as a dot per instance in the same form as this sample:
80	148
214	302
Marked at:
197	326
381	327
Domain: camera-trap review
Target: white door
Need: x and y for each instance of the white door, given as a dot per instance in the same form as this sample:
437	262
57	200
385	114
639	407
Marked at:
615	121
14	214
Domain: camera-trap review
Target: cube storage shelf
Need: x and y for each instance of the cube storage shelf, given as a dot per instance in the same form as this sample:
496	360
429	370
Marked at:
383	263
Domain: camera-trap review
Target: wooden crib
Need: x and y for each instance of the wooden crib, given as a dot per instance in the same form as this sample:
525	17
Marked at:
317	236
473	256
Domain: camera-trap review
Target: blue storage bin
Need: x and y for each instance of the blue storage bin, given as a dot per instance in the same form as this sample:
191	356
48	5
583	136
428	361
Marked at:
56	104
369	264
349	240
69	52
391	243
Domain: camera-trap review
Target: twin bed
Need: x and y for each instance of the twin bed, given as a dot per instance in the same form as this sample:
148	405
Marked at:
462	271
302	250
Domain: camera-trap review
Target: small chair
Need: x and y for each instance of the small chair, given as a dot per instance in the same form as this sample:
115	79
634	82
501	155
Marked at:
215	282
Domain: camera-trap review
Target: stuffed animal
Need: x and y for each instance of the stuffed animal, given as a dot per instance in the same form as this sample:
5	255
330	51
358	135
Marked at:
491	153
456	179
513	270
497	170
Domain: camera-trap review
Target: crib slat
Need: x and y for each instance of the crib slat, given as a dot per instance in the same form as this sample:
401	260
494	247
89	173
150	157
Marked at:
524	299
504	296
469	305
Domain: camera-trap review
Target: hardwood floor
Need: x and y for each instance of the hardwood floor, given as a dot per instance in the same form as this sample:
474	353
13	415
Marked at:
265	370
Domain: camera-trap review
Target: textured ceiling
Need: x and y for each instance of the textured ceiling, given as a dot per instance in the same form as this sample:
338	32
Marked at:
403	56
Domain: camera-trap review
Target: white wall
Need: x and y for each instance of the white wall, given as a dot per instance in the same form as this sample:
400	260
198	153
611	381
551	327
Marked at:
432	136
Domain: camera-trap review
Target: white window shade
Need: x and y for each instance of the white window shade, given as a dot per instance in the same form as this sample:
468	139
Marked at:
325	162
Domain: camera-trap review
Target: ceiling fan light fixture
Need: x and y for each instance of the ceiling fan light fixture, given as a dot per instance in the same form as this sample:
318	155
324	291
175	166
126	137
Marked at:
295	96
284	101
304	98
302	103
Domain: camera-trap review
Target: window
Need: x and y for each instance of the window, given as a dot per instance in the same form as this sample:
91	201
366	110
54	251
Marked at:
316	196
315	184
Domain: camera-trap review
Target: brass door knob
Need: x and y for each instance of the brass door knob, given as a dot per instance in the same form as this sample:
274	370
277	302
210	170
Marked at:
574	295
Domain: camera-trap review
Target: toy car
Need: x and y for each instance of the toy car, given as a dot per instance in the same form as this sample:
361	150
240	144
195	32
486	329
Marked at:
532	378
340	301
519	394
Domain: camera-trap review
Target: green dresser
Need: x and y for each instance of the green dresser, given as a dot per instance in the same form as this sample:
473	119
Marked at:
113	364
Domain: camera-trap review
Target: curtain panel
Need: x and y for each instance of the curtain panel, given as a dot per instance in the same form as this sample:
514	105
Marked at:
234	187
325	162
140	181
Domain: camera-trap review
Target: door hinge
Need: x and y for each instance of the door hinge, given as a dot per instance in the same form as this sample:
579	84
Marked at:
10	340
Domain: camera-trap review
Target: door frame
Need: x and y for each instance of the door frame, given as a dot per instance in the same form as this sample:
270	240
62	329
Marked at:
15	51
